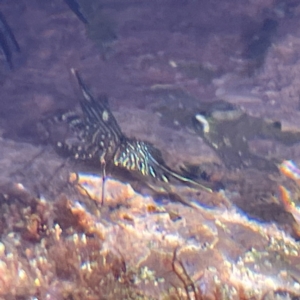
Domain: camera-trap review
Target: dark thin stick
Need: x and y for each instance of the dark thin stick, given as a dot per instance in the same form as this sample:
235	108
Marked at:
183	276
7	32
75	7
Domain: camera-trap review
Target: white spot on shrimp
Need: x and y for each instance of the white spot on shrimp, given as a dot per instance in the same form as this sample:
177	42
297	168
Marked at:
105	116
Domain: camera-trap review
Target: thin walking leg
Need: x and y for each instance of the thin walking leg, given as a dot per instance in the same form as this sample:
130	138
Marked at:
103	179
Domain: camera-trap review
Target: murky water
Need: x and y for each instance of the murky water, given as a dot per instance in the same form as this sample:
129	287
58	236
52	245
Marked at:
214	85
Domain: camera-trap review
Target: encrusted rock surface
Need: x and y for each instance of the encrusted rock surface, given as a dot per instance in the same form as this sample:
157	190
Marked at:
69	246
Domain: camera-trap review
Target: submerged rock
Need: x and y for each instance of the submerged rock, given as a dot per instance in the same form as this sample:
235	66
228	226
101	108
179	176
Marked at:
70	247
